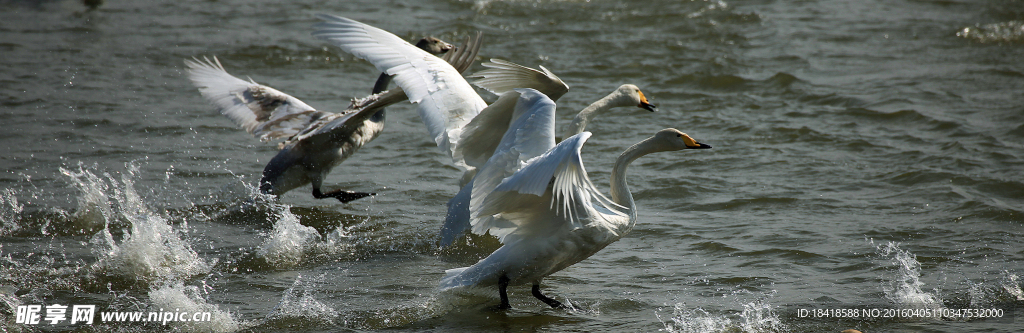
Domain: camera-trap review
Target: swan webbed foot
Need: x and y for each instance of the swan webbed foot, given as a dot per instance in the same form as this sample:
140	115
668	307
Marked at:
547	300
341	195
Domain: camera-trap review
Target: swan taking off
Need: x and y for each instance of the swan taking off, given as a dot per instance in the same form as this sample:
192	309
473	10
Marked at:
457	219
446	101
315	141
462	125
548	215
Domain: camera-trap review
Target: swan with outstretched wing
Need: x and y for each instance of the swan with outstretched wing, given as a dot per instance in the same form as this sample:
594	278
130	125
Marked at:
545	210
314	141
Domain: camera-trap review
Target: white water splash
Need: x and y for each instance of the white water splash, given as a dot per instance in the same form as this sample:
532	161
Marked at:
995	293
757	316
287	244
903	288
760	316
94	209
299	302
290	242
188	300
1011	284
10	212
151	250
695	321
1003	32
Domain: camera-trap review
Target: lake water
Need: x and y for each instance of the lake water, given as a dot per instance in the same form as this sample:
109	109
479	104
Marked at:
868	161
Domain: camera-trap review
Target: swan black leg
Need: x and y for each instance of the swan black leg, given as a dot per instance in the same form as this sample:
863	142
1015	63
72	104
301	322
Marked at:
503	292
547	300
341	195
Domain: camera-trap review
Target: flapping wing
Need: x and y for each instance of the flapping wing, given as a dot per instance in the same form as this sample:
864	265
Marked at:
556	181
480	136
342	125
362	108
446	101
530	135
262	111
463	57
502	76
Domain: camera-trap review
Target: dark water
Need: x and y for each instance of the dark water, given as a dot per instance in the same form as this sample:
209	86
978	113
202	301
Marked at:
868	155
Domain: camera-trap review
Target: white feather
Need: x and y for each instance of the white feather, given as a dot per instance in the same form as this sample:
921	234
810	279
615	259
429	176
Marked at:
549	216
262	111
446	101
502	76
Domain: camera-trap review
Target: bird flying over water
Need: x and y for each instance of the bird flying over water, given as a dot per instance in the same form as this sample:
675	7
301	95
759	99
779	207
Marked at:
314	141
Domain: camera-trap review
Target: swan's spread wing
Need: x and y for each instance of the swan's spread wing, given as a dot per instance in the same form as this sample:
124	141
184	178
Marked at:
446	101
550	191
336	126
530	135
502	76
262	111
345	124
463	57
482	135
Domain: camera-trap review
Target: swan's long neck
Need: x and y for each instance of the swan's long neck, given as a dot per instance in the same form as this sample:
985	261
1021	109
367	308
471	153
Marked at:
620	190
579	124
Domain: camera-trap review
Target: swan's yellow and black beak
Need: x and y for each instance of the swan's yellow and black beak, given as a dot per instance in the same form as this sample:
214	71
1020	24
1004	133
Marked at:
698	145
646	105
691	143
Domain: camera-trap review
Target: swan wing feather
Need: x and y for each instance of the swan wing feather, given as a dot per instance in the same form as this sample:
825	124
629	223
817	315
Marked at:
502	76
482	135
262	111
446	102
553	187
523	203
529	136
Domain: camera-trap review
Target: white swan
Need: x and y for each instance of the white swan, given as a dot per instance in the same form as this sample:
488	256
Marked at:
315	141
446	101
447	104
457	219
548	215
463	127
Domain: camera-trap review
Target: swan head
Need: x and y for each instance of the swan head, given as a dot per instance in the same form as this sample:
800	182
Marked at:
672	139
434	46
633	96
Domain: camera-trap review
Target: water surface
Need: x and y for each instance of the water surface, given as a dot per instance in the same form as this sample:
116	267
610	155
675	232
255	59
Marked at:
868	155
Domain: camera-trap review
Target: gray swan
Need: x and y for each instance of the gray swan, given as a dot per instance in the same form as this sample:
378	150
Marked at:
314	141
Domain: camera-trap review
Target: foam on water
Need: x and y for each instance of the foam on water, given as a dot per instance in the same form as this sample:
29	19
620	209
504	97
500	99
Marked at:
1011	284
1003	32
10	212
903	287
1002	292
756	316
135	248
299	302
93	210
695	320
151	250
290	242
178	298
286	245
